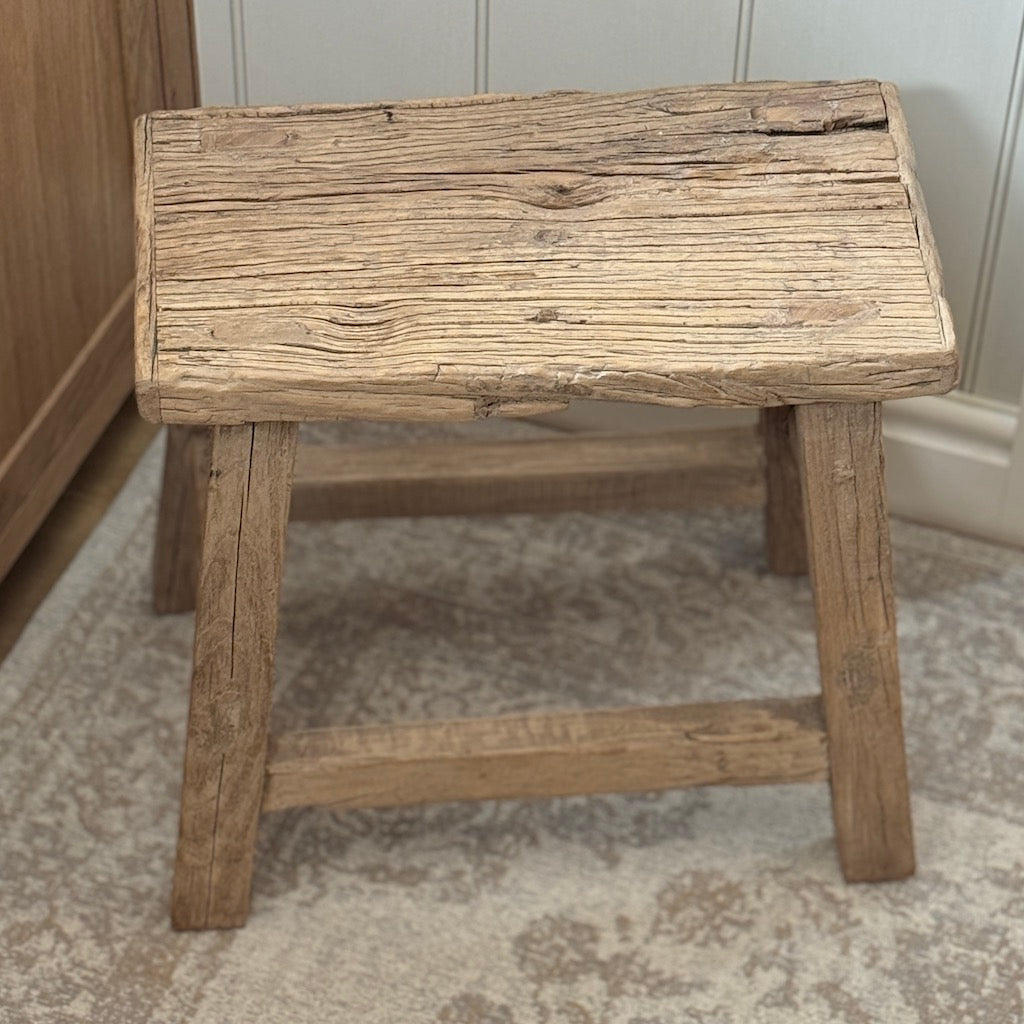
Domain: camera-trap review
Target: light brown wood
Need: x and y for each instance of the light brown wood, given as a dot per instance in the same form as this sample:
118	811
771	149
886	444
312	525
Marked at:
851	573
553	754
179	529
236	625
749	244
146	393
907	165
677	469
784	511
158	34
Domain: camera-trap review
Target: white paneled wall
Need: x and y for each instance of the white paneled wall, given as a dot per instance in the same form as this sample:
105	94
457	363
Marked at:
606	44
1000	316
322	51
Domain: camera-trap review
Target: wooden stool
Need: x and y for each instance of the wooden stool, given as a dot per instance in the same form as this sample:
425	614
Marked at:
758	244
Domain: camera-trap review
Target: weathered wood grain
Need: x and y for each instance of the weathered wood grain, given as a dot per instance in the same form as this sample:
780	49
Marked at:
851	574
907	165
553	754
671	469
236	625
179	527
751	244
783	509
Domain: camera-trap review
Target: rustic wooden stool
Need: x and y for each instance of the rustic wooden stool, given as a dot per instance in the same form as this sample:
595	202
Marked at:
761	245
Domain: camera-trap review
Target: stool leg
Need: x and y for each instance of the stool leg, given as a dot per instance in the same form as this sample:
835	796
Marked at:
840	447
179	525
236	625
784	511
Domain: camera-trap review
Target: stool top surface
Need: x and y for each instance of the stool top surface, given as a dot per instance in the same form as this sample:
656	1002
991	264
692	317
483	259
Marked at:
750	244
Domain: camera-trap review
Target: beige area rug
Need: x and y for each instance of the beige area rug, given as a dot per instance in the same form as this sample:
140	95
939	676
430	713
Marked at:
705	906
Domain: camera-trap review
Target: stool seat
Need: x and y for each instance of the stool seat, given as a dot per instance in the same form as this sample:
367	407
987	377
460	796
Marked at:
755	244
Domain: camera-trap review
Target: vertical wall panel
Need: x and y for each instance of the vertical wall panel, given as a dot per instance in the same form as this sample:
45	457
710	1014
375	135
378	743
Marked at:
214	53
326	51
606	44
954	65
1000	368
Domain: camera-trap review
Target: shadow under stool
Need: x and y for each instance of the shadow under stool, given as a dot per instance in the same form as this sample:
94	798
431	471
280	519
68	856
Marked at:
760	245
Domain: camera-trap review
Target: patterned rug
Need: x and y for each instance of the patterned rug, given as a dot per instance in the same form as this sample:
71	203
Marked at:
705	905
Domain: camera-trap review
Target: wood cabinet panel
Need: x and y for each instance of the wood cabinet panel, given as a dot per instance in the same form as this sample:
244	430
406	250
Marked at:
77	74
65	169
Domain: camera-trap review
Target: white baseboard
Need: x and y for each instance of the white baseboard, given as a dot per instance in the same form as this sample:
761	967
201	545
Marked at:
947	457
948	464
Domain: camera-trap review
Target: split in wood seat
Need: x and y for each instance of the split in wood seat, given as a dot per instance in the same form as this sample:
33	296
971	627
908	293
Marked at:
758	244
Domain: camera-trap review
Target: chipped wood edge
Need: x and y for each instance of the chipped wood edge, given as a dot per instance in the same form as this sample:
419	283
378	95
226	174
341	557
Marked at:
426	399
147	391
907	166
188	404
477	99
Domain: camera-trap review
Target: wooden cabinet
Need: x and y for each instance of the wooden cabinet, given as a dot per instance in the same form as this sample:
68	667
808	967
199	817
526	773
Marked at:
73	78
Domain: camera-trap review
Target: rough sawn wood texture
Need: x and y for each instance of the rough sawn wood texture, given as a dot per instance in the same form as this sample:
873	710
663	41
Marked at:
232	676
753	244
549	754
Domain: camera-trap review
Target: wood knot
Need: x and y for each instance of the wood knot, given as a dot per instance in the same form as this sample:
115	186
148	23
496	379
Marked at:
861	674
543	316
562	191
